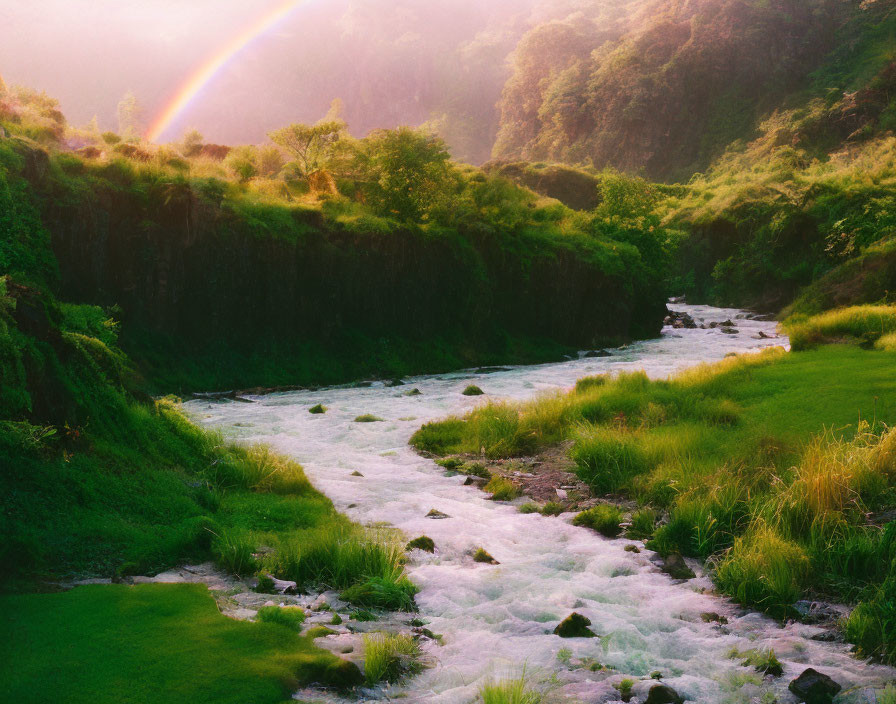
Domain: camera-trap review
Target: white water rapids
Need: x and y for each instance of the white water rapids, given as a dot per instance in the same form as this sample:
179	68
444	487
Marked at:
497	620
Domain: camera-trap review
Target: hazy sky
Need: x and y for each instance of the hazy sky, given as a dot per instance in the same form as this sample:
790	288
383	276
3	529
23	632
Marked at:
385	58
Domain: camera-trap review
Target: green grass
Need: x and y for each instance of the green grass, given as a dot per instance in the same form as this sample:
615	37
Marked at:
768	463
368	418
151	643
390	657
604	519
502	489
868	324
290	616
515	691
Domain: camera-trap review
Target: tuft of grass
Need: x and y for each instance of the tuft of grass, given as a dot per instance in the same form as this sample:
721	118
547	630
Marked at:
763	661
473	390
390	657
290	616
318	409
515	691
764	570
368	418
234	553
502	489
424	543
552	508
337	557
391	594
529	507
604	519
643	524
606	459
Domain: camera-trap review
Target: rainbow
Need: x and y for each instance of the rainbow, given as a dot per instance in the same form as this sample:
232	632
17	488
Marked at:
207	70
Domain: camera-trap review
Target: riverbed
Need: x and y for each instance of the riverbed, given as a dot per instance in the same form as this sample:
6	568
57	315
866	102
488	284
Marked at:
497	621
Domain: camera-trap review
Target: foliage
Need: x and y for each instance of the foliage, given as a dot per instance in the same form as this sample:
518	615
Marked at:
514	691
311	146
405	174
603	518
502	489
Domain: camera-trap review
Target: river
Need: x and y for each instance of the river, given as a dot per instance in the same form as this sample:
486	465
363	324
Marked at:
497	620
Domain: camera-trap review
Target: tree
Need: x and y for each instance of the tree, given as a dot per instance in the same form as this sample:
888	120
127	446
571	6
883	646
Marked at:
406	174
192	141
269	161
311	146
243	162
130	117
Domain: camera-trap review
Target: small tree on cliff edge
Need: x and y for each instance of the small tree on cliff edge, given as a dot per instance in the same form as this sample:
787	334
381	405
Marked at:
311	146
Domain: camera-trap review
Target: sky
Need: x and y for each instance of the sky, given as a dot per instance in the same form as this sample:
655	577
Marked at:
390	61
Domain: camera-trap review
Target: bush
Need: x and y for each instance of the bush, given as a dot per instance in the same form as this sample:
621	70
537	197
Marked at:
388	657
290	616
604	519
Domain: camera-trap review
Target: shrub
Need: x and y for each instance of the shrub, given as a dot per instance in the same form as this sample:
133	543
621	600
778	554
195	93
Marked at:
765	571
290	616
388	657
502	489
604	519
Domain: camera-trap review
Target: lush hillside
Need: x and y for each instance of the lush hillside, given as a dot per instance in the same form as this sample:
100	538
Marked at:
667	88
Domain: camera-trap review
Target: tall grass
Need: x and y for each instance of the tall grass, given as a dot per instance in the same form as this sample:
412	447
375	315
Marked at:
389	657
515	691
865	323
337	556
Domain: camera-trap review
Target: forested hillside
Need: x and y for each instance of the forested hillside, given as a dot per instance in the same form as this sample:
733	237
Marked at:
664	87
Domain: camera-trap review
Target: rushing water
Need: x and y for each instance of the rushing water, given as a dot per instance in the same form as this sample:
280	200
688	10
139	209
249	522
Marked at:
497	620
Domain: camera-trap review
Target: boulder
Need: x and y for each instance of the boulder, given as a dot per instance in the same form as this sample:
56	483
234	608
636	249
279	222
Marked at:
575	626
663	694
675	566
814	687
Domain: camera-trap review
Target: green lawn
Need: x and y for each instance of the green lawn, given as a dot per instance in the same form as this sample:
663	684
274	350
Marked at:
150	643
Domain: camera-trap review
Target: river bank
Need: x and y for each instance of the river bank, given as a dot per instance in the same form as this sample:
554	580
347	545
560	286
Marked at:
498	619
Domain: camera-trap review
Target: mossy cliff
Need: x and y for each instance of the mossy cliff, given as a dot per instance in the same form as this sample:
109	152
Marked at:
218	291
